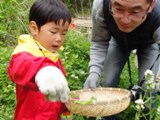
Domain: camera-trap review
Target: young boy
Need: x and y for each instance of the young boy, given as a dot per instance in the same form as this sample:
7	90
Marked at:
35	66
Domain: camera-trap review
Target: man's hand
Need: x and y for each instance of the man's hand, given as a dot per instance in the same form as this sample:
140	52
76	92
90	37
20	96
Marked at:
92	81
52	83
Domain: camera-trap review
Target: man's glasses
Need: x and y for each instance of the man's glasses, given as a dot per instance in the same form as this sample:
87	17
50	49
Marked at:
118	13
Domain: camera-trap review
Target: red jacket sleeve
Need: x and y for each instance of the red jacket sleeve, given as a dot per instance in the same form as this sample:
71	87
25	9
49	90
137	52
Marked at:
24	66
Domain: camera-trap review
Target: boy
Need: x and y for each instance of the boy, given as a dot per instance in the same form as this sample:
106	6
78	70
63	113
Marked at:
35	66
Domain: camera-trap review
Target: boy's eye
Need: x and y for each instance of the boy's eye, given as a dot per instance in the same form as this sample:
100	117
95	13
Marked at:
53	32
64	33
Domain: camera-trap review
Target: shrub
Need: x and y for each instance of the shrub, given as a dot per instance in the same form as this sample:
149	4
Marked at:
7	93
13	19
75	58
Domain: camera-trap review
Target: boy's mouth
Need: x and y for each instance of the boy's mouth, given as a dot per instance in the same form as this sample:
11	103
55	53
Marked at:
55	46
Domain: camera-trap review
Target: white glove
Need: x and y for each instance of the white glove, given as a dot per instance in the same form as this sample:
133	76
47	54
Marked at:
52	83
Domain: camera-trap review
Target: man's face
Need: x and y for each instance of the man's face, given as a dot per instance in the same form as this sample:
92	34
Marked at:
129	14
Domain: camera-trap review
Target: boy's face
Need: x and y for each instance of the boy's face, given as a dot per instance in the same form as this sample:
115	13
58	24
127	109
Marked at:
51	36
129	14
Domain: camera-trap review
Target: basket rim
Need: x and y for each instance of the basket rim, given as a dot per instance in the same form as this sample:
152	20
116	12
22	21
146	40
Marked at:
126	96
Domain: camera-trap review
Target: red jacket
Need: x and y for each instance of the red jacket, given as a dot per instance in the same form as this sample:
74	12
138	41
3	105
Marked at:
31	103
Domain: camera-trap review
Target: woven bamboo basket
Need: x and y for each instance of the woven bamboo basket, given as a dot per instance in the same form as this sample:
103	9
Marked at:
102	102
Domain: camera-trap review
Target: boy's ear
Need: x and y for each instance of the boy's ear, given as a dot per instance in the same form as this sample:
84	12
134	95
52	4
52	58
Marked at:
33	28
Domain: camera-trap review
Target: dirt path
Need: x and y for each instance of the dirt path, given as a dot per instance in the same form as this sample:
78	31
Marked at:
83	22
83	25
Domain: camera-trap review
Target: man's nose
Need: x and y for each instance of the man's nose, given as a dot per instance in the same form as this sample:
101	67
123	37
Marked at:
126	18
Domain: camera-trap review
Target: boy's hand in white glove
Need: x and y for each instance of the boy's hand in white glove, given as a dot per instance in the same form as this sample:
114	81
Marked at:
52	83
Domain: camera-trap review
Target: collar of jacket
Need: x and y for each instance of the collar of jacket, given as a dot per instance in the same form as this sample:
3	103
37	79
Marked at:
26	43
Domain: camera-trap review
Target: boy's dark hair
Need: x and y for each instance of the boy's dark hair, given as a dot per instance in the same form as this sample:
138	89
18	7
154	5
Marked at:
43	11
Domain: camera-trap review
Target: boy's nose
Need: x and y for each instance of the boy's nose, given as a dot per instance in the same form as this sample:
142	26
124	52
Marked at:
58	37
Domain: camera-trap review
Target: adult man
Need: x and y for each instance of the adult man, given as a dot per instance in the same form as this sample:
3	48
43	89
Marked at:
119	26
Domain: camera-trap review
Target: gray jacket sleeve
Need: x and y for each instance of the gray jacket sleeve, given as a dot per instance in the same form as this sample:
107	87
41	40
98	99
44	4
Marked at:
156	36
100	38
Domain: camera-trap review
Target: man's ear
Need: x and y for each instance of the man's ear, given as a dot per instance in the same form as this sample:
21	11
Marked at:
152	5
33	28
